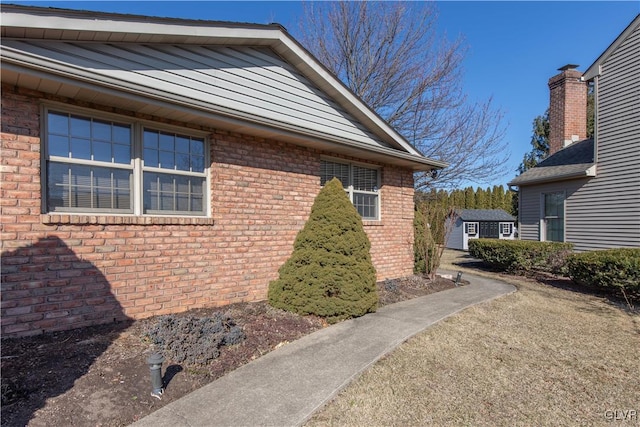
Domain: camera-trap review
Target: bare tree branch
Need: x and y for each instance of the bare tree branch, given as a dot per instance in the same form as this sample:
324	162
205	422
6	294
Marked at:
389	54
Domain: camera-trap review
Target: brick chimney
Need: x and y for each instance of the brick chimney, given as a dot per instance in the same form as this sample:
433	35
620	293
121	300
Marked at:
567	108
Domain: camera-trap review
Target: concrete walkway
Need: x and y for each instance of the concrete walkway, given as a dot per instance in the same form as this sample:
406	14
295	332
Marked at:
285	387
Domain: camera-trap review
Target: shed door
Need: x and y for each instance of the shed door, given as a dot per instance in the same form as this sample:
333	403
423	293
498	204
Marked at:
489	230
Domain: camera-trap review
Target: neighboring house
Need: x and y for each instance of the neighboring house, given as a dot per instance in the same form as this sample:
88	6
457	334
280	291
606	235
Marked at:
587	191
479	224
154	165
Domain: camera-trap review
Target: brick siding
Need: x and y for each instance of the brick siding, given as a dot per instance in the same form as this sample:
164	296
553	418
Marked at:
67	271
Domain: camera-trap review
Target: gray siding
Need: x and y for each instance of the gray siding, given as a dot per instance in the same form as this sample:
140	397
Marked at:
609	205
531	209
603	212
252	81
529	212
455	237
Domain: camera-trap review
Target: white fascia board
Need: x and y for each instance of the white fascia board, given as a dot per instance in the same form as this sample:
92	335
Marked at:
167	30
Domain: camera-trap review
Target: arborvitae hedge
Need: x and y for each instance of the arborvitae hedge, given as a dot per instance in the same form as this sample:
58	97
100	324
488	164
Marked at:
329	273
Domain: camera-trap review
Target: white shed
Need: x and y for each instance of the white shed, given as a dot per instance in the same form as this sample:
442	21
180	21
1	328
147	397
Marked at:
478	224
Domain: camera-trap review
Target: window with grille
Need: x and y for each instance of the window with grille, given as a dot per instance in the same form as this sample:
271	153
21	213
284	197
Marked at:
471	228
173	173
92	167
554	217
505	228
359	182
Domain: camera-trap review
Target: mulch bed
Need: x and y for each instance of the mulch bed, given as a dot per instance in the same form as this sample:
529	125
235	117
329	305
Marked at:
98	376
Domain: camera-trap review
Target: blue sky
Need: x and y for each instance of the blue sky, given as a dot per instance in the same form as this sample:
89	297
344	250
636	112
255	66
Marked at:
514	47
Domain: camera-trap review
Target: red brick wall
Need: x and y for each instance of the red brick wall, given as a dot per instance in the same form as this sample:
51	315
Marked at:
62	271
392	237
567	109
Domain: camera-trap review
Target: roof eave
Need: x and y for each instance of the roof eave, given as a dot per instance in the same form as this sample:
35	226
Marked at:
79	25
210	115
589	172
469	215
97	26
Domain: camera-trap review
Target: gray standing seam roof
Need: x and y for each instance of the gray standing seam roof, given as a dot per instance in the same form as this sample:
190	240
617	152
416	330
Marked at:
570	162
484	215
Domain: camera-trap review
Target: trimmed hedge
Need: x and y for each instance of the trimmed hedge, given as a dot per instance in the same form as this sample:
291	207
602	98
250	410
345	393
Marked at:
520	256
608	269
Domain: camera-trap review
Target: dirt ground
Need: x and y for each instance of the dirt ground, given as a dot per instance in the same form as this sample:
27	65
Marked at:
98	376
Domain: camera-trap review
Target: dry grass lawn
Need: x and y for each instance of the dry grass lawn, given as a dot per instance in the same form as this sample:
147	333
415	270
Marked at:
541	356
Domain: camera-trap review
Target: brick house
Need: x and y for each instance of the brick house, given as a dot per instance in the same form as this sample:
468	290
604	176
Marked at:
155	165
588	190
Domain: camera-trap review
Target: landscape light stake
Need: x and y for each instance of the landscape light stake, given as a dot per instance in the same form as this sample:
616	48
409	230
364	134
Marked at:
155	366
458	278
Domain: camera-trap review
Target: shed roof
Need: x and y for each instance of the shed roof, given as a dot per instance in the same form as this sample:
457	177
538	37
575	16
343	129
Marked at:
484	215
573	161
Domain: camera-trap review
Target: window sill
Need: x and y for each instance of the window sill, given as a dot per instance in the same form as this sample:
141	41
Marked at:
372	223
123	220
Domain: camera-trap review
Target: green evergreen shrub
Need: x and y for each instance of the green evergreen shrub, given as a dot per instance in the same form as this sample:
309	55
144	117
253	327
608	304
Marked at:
609	269
329	273
521	256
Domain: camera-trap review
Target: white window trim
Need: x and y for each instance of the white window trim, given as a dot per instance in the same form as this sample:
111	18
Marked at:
509	228
468	226
543	217
350	190
136	165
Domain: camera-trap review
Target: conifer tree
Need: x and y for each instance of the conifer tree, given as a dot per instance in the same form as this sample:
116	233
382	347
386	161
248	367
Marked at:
511	203
497	198
457	199
329	273
481	199
469	198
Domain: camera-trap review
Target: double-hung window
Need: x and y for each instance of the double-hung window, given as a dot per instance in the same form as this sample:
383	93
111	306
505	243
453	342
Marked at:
360	183
554	217
174	181
97	165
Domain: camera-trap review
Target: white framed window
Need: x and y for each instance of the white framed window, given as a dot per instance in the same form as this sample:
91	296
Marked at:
361	183
505	228
174	180
553	216
96	163
471	228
